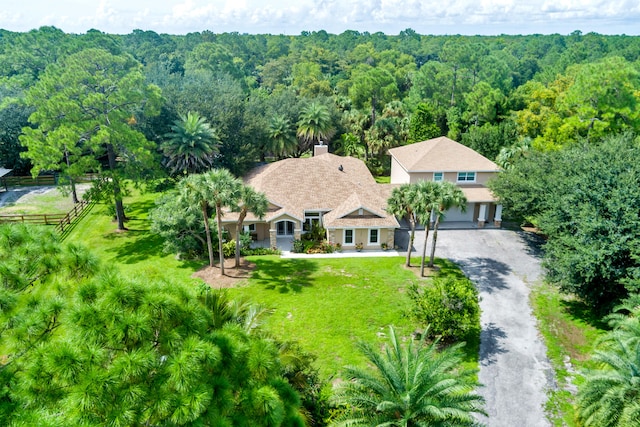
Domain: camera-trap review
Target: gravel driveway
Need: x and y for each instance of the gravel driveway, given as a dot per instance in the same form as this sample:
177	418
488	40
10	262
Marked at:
514	368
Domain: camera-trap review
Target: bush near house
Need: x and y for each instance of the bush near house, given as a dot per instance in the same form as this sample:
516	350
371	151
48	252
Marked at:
449	305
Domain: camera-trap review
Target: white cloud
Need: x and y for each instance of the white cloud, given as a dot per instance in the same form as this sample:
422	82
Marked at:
294	16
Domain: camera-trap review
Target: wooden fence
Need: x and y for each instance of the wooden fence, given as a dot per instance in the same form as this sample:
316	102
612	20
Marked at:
25	181
61	221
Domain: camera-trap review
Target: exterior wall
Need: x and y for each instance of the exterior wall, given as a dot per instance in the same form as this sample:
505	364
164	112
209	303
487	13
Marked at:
481	177
398	174
361	235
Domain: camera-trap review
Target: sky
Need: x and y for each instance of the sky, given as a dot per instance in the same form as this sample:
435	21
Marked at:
467	17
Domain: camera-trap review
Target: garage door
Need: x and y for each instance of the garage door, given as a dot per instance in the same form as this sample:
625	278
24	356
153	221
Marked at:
455	215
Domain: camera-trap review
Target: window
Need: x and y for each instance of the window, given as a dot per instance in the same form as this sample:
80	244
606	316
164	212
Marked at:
373	236
251	228
348	237
310	219
466	176
284	228
438	176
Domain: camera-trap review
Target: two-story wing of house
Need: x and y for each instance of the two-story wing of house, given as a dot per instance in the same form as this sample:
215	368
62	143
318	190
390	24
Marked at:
442	159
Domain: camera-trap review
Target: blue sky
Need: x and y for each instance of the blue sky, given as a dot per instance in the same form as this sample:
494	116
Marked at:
467	17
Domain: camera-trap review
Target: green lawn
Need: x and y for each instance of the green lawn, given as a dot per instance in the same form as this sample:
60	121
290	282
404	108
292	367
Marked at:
327	305
569	330
52	201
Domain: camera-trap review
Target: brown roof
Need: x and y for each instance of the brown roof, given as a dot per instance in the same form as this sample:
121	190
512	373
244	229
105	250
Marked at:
322	183
478	194
442	155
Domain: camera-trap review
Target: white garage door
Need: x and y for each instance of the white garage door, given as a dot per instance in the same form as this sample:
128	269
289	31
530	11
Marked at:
455	215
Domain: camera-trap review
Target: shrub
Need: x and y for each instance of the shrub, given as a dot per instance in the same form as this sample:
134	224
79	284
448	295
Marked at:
449	305
298	246
260	251
229	248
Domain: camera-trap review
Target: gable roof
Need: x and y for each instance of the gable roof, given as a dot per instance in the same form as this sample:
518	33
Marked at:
441	155
322	183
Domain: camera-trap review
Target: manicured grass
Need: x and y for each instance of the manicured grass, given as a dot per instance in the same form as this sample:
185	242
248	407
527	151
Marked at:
136	252
327	305
383	179
570	331
45	201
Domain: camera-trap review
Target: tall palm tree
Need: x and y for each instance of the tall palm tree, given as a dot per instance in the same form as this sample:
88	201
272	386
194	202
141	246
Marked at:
414	385
449	196
252	201
427	197
192	145
194	190
217	188
224	190
402	204
282	137
314	125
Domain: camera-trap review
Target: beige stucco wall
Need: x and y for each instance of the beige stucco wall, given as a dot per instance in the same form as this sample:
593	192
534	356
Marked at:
398	174
361	235
481	177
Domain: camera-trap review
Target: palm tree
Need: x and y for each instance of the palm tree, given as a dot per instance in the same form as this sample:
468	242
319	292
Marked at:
224	190
427	196
192	145
282	137
314	125
401	204
195	191
414	385
610	395
449	196
252	201
216	188
508	156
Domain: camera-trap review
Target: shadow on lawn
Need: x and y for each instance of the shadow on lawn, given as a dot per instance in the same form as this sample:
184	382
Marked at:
137	245
290	275
578	310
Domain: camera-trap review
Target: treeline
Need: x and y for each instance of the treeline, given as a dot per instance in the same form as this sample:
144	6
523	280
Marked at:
368	92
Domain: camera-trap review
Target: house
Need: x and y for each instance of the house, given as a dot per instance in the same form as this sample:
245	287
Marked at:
442	159
337	193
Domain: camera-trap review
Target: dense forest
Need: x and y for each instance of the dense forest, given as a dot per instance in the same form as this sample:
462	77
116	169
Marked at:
268	95
559	113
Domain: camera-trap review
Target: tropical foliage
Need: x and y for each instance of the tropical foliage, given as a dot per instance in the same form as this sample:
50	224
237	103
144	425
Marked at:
609	396
410	385
192	145
584	198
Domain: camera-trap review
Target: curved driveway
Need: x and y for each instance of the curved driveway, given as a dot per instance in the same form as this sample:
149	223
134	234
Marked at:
514	368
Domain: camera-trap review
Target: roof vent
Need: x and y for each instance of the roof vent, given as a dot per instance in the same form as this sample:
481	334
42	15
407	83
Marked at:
340	168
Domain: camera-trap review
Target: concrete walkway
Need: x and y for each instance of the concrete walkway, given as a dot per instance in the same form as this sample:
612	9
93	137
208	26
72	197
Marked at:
343	254
514	368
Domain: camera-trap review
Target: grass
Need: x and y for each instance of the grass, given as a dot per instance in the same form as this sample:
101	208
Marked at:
570	330
51	201
327	305
136	252
383	179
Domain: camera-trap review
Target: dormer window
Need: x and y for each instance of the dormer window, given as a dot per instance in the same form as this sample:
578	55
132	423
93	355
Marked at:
466	177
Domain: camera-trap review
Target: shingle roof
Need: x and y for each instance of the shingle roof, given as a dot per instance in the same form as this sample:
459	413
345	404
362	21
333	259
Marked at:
322	183
442	155
477	194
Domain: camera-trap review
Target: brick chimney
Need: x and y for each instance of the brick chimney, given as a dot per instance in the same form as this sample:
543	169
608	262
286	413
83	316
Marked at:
320	149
